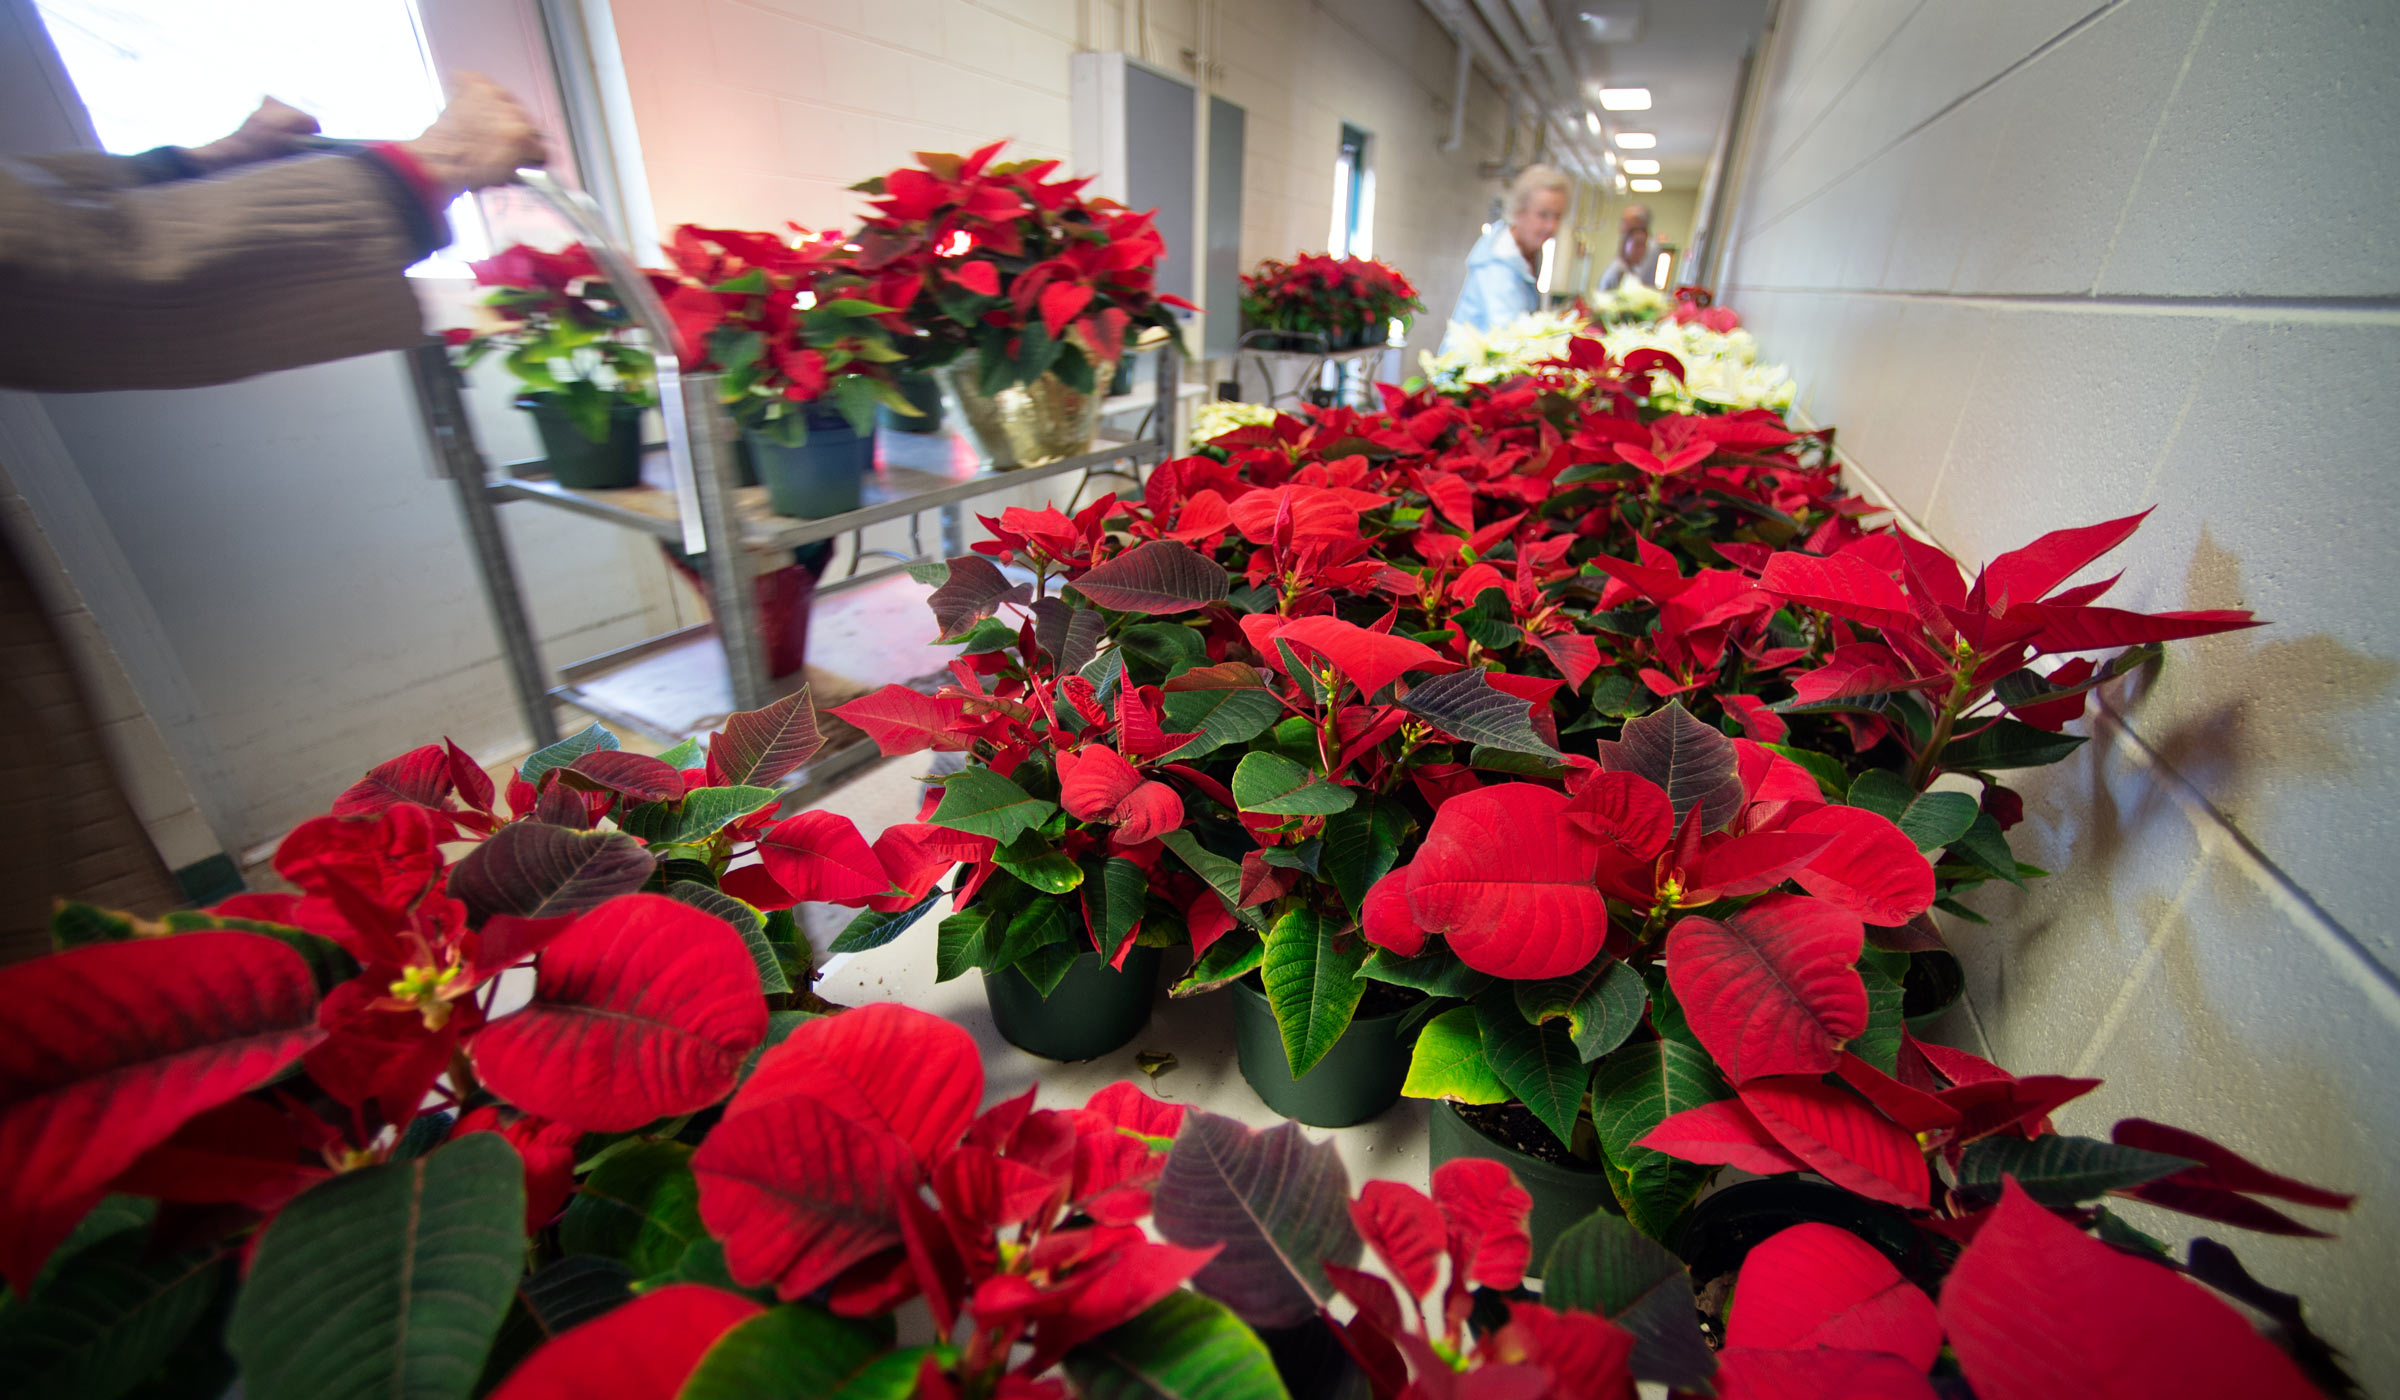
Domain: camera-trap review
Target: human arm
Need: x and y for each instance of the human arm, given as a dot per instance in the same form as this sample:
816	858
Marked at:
115	280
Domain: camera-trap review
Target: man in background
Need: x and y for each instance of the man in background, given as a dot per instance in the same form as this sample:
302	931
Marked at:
1633	249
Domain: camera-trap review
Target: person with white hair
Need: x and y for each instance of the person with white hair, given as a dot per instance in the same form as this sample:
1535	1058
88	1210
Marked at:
1504	263
1633	250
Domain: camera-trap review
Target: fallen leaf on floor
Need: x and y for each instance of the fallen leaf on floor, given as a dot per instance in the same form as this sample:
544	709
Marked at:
1153	1062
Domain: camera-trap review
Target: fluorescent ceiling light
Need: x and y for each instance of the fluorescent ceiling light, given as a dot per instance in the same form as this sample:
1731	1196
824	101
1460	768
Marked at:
1625	99
1591	122
1647	187
1620	185
1636	140
1638	166
1609	156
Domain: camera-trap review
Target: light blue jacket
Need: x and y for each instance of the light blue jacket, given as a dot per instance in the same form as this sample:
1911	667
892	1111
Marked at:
1499	286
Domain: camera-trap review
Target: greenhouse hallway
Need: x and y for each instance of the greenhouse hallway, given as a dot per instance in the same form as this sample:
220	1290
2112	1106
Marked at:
1252	699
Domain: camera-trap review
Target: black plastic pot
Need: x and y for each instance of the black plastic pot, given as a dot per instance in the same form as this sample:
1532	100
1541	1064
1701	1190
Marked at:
1562	1196
1359	1077
1289	342
1094	1008
1313	1362
825	475
575	461
1728	1224
924	394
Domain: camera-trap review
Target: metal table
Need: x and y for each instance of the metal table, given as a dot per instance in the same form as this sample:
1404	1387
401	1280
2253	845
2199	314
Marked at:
690	497
1296	375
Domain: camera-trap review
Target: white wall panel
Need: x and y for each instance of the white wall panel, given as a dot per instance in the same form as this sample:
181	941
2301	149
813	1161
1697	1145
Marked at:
2143	254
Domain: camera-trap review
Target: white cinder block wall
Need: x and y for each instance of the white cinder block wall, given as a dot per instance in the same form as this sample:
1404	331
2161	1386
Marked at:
2058	260
754	112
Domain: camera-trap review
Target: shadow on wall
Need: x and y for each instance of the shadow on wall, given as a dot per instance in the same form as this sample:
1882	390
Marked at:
2251	705
2244	708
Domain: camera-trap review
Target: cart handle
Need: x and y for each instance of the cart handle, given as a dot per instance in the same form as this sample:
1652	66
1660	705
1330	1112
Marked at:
633	288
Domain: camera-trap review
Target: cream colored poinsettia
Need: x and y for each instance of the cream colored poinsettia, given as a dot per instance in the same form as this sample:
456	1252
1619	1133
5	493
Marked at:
1631	301
1721	369
1504	352
1217	417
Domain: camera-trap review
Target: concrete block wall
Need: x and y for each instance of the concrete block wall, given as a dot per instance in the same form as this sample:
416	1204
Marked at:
754	112
2058	260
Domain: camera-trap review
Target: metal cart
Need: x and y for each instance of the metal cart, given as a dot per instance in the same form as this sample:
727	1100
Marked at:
691	499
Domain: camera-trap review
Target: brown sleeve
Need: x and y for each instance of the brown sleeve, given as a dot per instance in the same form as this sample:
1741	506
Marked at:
202	281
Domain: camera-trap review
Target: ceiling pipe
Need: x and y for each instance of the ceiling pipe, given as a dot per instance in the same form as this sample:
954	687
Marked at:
1460	21
1492	37
1495	17
1526	32
1458	97
1546	47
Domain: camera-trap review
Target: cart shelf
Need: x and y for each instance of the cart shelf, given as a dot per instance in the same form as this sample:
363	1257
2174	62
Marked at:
912	475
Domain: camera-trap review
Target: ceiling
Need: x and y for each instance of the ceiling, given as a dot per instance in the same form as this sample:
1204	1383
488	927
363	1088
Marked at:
1556	55
1687	52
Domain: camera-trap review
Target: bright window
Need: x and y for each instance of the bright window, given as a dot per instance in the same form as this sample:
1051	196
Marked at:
185	72
1353	231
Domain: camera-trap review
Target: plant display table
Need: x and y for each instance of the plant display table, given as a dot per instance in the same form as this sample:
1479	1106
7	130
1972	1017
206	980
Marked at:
1281	377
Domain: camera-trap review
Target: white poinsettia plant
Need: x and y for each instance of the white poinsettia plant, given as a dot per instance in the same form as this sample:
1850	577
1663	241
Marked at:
1721	369
1505	352
1217	417
1630	301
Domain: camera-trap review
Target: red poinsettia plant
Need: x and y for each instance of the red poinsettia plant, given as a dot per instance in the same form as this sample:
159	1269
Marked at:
788	326
485	1020
1001	259
1699	304
1556	713
564	333
1440	734
851	1175
1344	301
1806	1293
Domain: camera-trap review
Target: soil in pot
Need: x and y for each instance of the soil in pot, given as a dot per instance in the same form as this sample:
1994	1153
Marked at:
1565	1188
1359	1077
1093	1010
577	462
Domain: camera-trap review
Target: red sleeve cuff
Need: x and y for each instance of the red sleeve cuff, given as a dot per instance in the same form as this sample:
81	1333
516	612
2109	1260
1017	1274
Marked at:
412	172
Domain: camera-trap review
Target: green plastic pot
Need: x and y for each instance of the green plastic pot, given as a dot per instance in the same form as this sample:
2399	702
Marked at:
825	475
575	461
1359	1077
1562	1196
924	394
1093	1010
